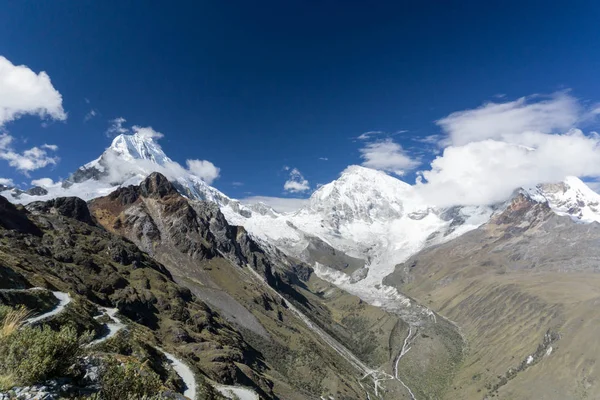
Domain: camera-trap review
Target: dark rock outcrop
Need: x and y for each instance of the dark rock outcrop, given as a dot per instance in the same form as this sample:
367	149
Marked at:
36	191
70	207
156	185
14	218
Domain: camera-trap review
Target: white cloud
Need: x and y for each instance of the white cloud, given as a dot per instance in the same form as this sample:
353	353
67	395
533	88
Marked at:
203	169
436	140
237	184
387	155
29	160
498	121
296	182
372	134
116	127
5	141
280	204
52	147
6	182
146	132
43	182
499	147
91	114
323	158
22	91
369	135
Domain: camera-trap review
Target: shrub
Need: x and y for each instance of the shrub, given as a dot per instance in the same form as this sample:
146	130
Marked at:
129	379
33	354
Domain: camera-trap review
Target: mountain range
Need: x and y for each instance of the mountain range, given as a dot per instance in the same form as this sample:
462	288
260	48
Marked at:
369	219
364	272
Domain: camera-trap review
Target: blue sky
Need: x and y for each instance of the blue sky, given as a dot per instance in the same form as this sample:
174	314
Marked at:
255	87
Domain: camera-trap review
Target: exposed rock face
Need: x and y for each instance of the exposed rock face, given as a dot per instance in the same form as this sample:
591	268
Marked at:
15	219
156	216
156	185
36	191
71	207
87	172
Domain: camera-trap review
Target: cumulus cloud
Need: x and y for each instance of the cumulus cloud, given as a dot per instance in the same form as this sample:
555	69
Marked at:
204	170
28	160
6	182
116	127
296	182
279	204
22	92
498	121
387	155
43	182
52	147
146	132
5	140
171	169
500	147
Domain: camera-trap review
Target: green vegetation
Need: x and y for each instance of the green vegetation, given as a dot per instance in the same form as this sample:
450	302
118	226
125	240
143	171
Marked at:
34	354
128	379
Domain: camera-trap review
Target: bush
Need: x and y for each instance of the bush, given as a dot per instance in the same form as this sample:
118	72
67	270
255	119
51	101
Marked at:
129	379
31	355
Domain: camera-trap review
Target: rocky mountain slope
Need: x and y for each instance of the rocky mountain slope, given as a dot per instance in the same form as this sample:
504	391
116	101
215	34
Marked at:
278	317
281	308
58	245
524	290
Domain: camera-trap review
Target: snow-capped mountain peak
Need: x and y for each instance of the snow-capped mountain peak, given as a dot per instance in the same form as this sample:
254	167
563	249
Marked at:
363	194
570	197
138	147
127	161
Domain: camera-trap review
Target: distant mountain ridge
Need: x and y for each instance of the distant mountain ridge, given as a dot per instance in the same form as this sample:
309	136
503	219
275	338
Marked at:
364	214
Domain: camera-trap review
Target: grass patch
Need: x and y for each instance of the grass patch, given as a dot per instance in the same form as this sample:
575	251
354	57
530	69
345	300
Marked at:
12	320
127	380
